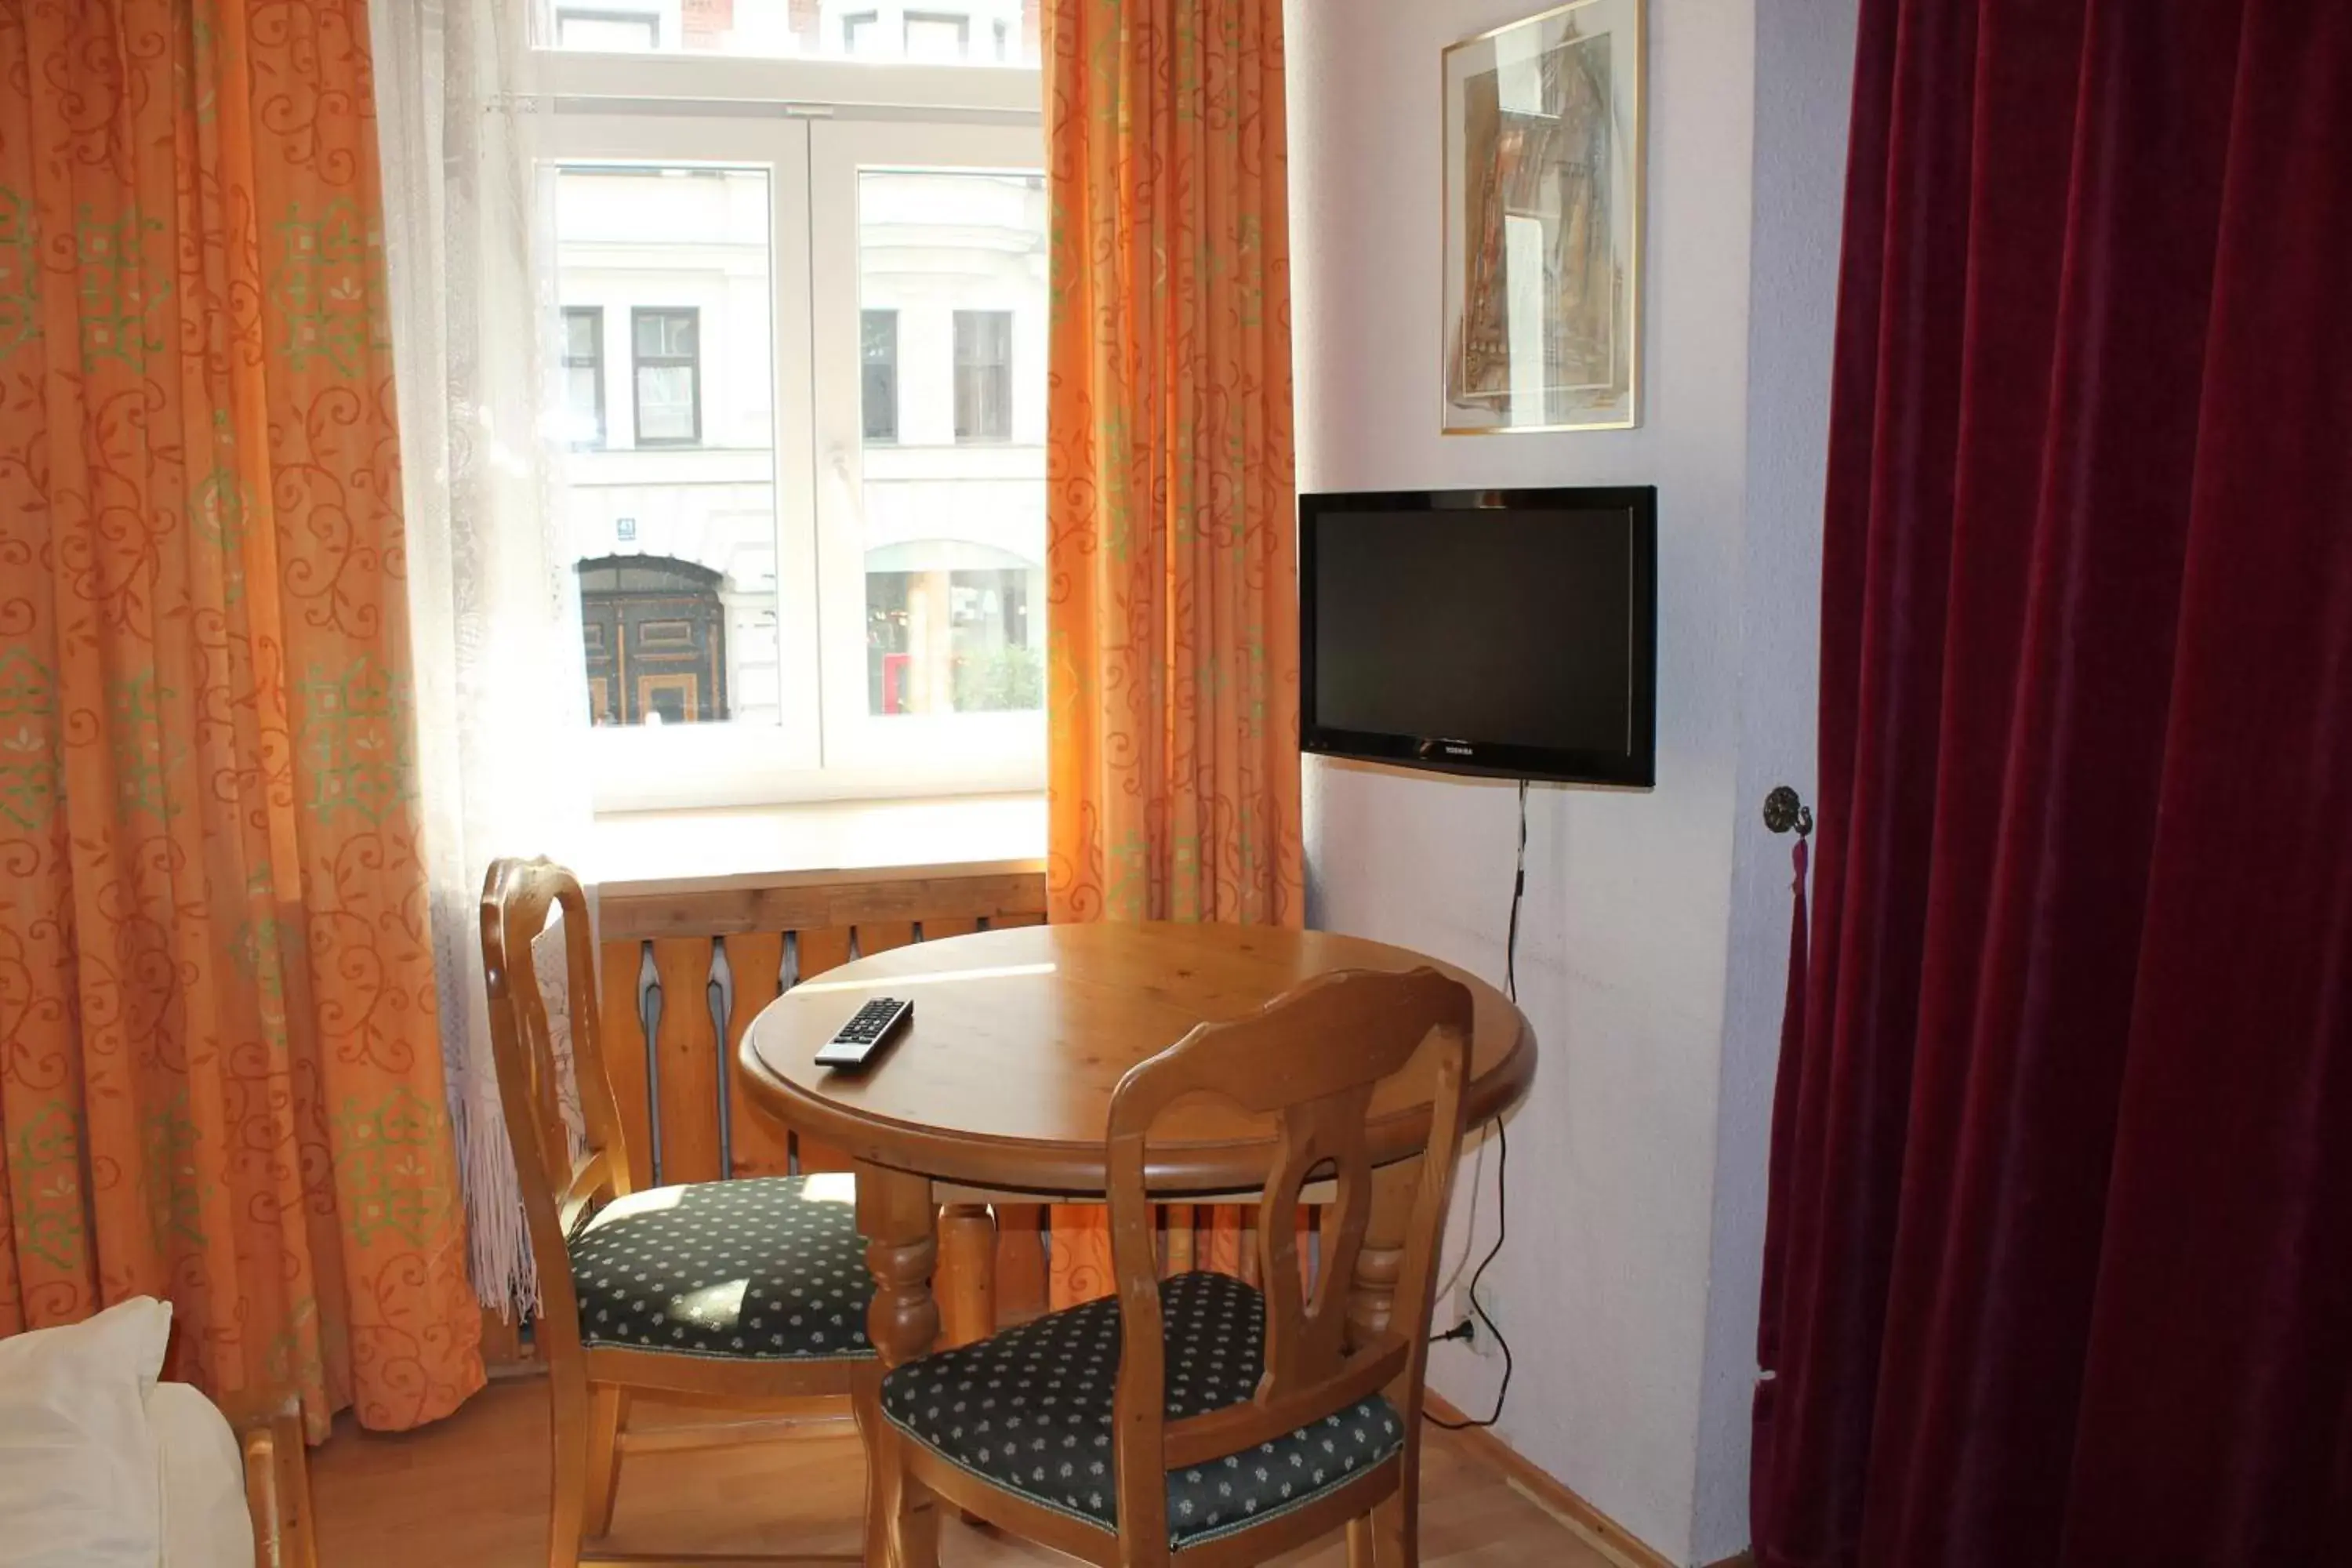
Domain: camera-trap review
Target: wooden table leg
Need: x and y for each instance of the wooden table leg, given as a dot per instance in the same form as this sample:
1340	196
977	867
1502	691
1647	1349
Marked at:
896	1217
968	1275
968	1266
1372	1295
1020	1263
1393	1537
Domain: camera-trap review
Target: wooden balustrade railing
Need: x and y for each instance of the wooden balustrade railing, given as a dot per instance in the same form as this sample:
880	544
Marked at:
685	973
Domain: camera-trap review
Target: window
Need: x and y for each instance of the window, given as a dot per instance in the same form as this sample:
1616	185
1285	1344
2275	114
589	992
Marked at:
668	376
932	31
583	400
878	389
955	587
811	547
983	375
934	38
673	520
632	31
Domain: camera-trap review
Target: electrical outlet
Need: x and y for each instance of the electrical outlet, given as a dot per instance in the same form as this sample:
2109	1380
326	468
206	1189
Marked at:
1488	1296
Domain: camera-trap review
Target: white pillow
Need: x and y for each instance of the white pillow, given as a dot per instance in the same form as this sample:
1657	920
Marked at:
205	1521
78	1485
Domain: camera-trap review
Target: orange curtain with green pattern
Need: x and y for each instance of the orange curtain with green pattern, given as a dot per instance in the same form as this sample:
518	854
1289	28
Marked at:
220	1081
1173	677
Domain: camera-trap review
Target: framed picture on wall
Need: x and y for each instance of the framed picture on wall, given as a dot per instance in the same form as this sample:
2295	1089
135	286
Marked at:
1543	223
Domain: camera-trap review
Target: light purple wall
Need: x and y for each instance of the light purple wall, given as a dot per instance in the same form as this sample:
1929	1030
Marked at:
1628	1286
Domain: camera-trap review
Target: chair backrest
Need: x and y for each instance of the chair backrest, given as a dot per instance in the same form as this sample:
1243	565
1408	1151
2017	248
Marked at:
556	1186
1311	1060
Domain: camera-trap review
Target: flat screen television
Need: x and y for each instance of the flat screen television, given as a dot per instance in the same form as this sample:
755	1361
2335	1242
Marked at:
1508	633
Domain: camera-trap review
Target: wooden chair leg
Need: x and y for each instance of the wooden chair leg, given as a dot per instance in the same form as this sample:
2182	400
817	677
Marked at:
1395	1533
902	1519
568	1411
608	1409
1396	1521
1359	1542
916	1538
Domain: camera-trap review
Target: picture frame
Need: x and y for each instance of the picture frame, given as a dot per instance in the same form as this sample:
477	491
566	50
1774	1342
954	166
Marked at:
1544	152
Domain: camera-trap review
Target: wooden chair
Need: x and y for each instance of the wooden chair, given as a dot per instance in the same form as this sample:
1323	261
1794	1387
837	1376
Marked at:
1193	1419
749	1295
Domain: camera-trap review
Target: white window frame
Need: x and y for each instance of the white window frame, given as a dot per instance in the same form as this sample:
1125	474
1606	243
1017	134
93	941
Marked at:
805	123
1005	747
637	767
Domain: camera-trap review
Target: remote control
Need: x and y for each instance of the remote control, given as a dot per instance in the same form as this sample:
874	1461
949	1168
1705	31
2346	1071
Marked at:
870	1028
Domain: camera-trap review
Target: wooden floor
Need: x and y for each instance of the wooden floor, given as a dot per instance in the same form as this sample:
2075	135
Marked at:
472	1489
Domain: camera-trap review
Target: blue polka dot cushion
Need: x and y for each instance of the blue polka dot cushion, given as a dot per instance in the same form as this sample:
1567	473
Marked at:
1030	1410
766	1268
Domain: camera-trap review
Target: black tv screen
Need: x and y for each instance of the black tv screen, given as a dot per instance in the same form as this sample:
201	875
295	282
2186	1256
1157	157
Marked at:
1511	633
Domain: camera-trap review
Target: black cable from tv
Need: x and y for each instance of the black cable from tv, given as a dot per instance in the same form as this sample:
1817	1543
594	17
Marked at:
1502	1159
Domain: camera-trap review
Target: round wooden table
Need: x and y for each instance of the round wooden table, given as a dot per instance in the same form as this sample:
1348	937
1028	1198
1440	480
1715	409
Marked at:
998	1090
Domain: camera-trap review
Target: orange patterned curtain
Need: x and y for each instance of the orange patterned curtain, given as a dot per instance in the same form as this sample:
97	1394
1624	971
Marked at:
220	1081
1172	681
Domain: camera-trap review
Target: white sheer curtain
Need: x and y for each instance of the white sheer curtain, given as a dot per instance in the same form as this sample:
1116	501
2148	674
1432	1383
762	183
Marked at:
494	604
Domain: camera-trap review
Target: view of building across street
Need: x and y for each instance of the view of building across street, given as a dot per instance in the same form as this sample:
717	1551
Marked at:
978	32
668	392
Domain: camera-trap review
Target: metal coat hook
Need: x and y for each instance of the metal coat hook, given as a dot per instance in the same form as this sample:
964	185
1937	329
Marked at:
1784	809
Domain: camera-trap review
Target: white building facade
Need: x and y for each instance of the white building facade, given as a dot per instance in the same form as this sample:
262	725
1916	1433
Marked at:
966	32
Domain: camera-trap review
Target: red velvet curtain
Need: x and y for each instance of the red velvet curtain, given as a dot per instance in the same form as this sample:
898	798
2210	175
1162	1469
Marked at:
2060	1260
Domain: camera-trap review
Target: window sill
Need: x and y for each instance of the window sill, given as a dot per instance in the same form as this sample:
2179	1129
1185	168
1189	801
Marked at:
638	854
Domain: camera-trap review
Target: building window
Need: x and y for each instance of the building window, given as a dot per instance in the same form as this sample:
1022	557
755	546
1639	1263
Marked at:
668	376
861	33
983	375
583	375
878	374
934	38
585	29
1003	35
